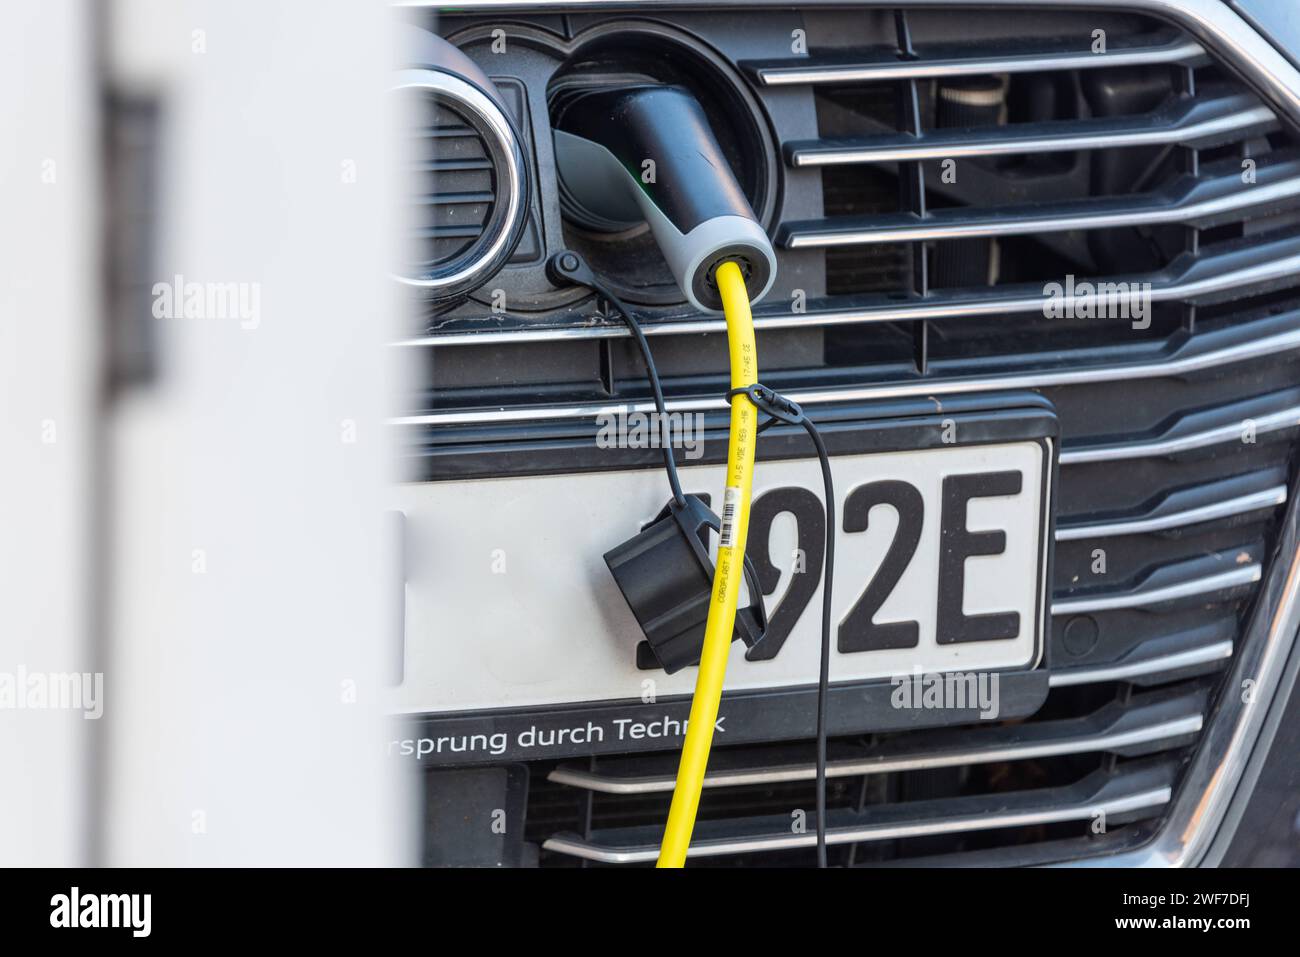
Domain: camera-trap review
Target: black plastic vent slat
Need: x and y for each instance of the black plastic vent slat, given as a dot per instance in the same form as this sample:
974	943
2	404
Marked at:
456	193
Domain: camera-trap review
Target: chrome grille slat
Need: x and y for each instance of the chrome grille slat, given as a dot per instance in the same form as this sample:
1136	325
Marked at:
1190	121
809	71
1176	365
1203	200
1144	596
1142	667
1228	508
1204	280
1174	443
1128	792
1143	724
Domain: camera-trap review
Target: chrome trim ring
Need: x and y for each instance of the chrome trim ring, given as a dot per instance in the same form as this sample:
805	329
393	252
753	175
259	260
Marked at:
490	252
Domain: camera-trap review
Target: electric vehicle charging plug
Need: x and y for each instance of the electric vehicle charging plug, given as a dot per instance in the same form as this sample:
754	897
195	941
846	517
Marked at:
689	196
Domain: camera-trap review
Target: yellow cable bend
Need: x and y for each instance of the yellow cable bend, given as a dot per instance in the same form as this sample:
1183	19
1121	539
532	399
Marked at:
726	577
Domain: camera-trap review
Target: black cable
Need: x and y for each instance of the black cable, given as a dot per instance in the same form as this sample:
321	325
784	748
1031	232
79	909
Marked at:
823	677
782	409
670	463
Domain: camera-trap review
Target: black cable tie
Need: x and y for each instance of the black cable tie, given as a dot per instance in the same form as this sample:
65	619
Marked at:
772	402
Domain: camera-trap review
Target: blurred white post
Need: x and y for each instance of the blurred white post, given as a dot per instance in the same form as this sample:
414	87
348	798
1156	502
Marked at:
252	567
239	540
49	354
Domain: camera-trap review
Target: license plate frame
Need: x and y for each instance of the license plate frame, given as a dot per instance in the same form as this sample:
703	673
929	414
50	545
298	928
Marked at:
776	711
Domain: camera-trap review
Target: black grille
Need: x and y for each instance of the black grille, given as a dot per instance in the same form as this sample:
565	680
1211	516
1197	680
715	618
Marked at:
455	193
1177	432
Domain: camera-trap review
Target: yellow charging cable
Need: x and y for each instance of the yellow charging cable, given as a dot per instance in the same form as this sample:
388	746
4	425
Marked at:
727	575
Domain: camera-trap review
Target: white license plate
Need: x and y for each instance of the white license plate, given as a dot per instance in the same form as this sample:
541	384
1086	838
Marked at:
510	604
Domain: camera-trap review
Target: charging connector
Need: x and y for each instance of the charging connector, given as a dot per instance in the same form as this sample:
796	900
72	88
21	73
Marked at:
647	153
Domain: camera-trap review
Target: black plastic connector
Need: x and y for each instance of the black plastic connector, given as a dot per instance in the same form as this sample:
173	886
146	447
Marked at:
666	576
568	268
771	402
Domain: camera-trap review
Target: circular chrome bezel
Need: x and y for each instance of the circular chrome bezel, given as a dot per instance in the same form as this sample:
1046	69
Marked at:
501	234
